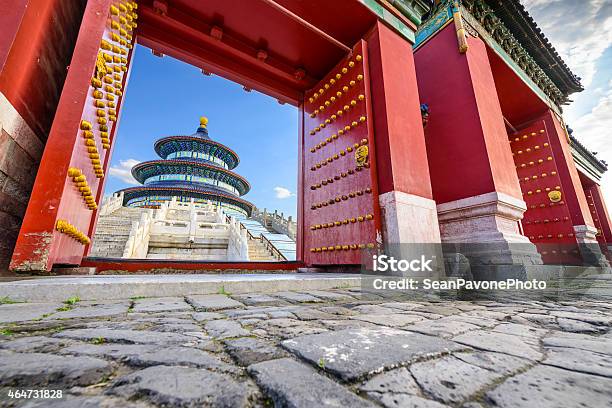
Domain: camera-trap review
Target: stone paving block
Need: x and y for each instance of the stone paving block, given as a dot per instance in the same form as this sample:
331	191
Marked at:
309	313
451	380
278	314
551	387
405	306
577	326
40	344
337	310
159	318
20	312
580	360
487	314
331	296
206	316
499	342
392	320
224	329
169	304
39	369
426	316
483	322
440	310
88	310
354	353
183	387
498	362
408	401
259	299
140	355
466	306
291	384
445	327
257	311
211	303
347	324
520	330
71	401
601	345
543	319
374	309
297	297
247	350
287	328
177	328
398	381
127	336
592	318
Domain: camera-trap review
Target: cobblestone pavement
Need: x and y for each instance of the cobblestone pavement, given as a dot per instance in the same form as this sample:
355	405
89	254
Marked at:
308	349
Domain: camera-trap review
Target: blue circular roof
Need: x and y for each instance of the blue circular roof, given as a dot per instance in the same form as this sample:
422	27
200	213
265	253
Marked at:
144	170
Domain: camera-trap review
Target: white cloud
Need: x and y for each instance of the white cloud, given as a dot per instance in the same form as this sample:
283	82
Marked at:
579	30
283	193
594	130
123	171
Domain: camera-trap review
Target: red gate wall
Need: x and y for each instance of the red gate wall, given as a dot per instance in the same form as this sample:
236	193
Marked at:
547	222
58	223
341	214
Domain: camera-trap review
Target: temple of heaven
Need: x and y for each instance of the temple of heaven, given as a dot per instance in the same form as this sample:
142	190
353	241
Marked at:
192	166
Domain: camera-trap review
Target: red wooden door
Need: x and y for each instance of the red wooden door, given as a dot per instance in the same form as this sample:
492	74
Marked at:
341	216
547	221
69	182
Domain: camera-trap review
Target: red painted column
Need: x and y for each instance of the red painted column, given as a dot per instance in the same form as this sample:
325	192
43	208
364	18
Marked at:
407	208
36	41
54	196
473	174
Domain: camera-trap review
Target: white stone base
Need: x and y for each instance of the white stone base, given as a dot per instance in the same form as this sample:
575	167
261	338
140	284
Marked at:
410	229
486	229
585	234
407	218
589	246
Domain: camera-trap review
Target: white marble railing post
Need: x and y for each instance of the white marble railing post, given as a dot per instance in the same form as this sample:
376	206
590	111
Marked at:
111	204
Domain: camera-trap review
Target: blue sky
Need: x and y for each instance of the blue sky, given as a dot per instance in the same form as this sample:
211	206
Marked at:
167	97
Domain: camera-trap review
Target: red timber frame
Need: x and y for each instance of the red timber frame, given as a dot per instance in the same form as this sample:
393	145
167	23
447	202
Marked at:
61	215
547	221
340	192
61	211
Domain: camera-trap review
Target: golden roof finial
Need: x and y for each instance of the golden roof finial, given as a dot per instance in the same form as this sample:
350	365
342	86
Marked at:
203	121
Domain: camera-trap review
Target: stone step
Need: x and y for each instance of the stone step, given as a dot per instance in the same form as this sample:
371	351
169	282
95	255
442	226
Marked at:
105	247
106	244
118	236
106	254
123	223
51	289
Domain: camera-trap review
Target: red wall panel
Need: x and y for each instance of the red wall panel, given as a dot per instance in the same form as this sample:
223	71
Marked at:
58	198
341	216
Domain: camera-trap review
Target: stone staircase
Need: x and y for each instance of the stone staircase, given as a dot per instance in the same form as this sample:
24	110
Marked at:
112	232
258	251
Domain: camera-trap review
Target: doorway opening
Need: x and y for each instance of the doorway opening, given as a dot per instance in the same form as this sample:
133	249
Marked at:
203	169
291	52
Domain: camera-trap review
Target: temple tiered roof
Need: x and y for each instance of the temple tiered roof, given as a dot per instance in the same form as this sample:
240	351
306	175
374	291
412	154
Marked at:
191	167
